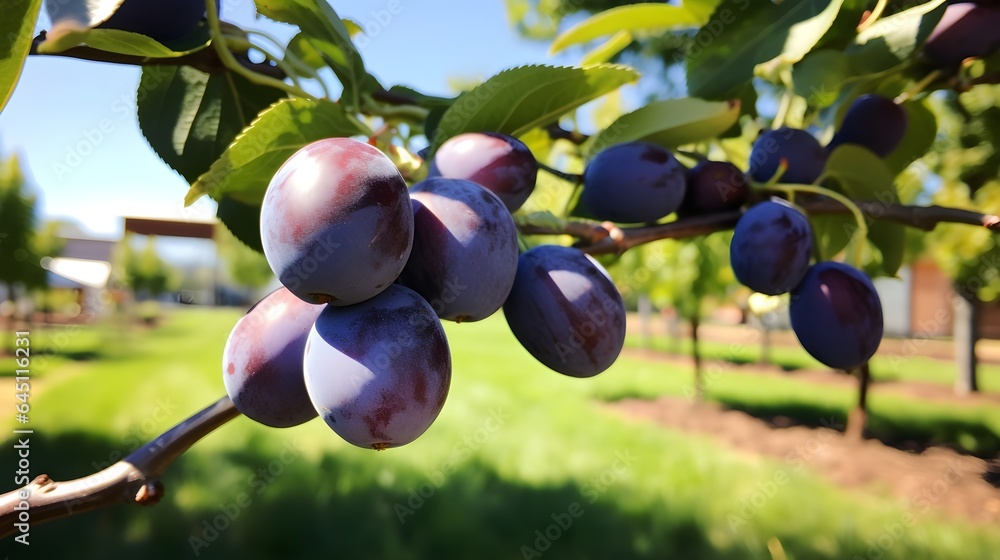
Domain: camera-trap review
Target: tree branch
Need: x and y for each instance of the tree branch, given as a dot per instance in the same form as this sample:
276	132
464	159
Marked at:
608	238
207	60
134	479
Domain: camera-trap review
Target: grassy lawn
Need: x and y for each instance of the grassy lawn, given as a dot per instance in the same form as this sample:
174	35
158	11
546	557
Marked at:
517	450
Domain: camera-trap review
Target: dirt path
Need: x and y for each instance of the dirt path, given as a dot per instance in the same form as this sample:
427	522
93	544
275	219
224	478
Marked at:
936	480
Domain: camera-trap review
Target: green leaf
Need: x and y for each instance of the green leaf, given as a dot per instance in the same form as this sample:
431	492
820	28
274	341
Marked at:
669	123
894	39
634	17
832	233
921	129
863	175
327	33
125	42
245	169
744	34
517	100
243	220
190	117
607	50
15	42
803	36
301	50
819	76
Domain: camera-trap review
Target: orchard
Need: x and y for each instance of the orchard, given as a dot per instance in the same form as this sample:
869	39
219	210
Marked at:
801	139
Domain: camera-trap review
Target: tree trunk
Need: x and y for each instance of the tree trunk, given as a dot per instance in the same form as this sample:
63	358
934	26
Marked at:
965	334
857	420
645	313
699	383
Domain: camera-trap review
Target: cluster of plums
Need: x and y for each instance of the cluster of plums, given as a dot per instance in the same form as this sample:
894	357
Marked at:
369	269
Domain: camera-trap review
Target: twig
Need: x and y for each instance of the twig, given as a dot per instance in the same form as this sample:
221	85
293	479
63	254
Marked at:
134	479
207	60
557	132
571	177
606	238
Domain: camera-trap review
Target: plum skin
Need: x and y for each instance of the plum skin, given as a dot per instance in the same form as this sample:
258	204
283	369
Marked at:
965	30
378	372
566	311
714	186
837	316
633	182
872	121
771	247
262	360
336	222
499	163
464	255
805	156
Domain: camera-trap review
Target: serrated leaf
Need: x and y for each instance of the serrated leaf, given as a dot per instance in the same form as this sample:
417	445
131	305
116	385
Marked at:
190	117
894	39
819	76
669	123
634	17
519	99
757	32
15	42
607	50
246	167
921	129
328	35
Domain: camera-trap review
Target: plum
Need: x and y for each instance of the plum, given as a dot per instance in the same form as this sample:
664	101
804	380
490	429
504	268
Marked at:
804	155
836	315
714	186
565	310
502	164
262	360
633	182
771	247
965	30
464	253
872	121
378	371
336	222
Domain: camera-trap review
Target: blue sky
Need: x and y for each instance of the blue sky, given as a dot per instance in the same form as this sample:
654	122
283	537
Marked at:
73	122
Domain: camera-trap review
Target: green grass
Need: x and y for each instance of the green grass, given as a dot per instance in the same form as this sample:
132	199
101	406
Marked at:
515	445
884	367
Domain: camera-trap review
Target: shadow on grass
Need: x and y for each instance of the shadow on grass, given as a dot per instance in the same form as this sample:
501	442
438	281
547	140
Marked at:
914	434
270	503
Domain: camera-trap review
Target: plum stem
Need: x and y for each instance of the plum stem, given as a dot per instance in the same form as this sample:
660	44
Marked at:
917	88
574	178
230	62
873	16
596	239
134	479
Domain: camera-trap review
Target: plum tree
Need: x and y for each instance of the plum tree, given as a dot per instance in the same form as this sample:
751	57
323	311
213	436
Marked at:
378	371
837	315
565	310
336	222
464	253
714	186
872	121
500	163
771	247
633	182
802	153
965	30
262	360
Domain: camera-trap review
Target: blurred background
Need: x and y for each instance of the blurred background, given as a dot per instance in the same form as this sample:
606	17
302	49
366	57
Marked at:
714	435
